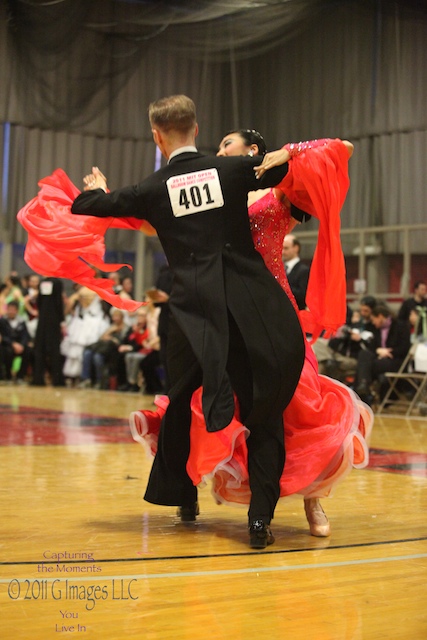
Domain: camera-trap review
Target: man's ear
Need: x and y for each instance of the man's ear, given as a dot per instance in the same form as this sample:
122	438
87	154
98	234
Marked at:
156	136
196	130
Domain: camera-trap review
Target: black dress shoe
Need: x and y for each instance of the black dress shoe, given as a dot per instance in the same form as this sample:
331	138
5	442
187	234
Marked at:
188	514
362	388
260	535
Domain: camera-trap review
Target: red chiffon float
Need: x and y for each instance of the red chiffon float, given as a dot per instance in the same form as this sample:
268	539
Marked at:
62	245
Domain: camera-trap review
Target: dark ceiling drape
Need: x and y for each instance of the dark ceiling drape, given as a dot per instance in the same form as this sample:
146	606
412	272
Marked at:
77	77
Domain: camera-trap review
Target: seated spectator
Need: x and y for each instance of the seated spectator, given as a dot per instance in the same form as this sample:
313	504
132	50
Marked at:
31	303
115	275
31	295
86	322
12	292
386	352
414	311
418	299
139	344
151	365
338	357
15	344
350	340
159	295
100	359
418	324
126	292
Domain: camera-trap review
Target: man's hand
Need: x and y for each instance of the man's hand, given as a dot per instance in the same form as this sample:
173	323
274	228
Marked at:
18	348
156	295
384	352
124	348
95	180
272	159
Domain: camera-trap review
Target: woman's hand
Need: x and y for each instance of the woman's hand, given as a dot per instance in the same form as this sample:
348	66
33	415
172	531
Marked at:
349	147
272	159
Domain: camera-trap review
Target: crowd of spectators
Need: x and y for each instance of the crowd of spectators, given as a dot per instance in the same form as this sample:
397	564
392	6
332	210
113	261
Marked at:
49	337
373	342
78	340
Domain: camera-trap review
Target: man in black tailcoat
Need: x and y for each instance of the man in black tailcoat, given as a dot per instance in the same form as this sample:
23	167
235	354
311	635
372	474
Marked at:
233	327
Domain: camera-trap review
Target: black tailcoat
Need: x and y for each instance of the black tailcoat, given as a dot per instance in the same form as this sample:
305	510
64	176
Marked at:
217	272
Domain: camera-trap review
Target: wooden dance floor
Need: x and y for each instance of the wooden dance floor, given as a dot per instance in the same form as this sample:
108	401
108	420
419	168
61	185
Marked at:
83	555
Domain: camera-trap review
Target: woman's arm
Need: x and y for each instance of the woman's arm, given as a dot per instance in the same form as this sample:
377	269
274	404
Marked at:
276	158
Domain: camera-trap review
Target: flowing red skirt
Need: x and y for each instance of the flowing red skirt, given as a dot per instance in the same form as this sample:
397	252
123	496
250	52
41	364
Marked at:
327	430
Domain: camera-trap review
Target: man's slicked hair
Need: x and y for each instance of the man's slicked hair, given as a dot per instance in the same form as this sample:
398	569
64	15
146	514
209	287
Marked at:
173	113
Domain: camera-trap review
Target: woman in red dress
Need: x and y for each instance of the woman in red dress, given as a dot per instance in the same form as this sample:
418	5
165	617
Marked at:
326	425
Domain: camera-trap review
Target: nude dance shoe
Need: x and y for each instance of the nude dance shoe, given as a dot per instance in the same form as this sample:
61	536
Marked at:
317	519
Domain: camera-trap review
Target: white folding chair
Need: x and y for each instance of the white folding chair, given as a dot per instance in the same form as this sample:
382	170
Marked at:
416	383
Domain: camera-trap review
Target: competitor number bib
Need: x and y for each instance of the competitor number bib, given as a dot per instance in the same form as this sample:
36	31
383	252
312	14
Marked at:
195	192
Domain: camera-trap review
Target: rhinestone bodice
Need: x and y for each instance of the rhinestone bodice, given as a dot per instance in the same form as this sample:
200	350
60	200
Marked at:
269	219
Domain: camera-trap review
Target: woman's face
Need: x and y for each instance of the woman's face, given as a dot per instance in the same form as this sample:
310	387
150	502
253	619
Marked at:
141	318
234	145
117	317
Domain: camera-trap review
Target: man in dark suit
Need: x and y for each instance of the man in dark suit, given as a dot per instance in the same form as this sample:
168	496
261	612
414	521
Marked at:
385	352
15	342
233	329
296	271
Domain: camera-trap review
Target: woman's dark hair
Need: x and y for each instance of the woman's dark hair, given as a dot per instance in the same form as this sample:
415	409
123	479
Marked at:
250	136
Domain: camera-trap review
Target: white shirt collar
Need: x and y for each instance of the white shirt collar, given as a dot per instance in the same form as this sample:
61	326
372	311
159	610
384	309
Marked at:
177	152
291	263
